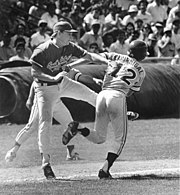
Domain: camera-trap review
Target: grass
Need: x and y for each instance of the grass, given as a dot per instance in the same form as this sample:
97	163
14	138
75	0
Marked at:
146	140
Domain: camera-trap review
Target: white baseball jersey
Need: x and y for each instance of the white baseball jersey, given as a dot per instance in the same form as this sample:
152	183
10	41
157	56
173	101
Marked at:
129	77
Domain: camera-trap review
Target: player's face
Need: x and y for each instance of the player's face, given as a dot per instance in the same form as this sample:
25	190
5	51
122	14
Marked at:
65	37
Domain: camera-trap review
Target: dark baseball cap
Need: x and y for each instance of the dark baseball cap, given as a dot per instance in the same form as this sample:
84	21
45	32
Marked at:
62	26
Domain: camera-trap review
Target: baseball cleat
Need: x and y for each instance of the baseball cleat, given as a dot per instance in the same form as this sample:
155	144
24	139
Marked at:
132	115
48	172
70	132
10	156
103	175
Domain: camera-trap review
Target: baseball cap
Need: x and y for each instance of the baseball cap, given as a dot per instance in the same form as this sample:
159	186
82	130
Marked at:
42	22
133	8
62	26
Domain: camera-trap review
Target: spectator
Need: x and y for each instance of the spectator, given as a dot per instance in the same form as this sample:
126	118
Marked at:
37	10
173	14
165	46
20	53
120	46
95	15
40	36
129	29
158	29
65	14
112	19
176	32
93	47
20	32
139	27
157	11
91	37
12	21
152	45
6	50
131	17
28	51
146	31
142	13
176	60
134	36
65	3
139	24
124	5
50	16
76	17
108	39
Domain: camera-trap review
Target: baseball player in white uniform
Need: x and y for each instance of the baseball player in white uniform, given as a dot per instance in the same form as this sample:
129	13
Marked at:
121	80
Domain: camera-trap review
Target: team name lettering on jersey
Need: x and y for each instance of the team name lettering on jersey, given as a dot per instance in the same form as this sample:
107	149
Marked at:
57	65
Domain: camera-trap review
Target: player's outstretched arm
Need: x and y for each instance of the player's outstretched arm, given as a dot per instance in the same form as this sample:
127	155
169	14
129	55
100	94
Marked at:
89	57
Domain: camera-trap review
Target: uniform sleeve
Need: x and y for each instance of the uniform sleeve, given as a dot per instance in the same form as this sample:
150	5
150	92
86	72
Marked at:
78	51
38	58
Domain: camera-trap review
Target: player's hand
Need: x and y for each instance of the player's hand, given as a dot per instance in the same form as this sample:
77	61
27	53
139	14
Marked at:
59	76
29	104
66	68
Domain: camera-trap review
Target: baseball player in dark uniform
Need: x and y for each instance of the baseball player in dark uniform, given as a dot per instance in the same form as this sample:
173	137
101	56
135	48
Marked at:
121	80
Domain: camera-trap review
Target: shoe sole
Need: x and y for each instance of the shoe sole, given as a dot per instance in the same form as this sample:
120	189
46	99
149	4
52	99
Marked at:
70	132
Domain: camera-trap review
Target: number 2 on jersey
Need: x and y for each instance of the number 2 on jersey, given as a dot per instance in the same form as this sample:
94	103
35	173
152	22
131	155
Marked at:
131	75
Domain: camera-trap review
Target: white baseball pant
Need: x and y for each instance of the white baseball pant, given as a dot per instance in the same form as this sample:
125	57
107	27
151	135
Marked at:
110	107
64	118
47	97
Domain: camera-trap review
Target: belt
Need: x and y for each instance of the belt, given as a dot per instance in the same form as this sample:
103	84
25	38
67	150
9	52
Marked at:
49	83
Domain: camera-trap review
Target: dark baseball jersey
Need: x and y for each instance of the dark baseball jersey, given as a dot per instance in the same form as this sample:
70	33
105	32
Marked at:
52	58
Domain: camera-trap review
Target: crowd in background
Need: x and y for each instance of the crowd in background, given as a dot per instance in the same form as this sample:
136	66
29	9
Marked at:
102	26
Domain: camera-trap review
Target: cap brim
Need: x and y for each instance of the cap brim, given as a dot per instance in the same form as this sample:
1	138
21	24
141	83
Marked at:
71	31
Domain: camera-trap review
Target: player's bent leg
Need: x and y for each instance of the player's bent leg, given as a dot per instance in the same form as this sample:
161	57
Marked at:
70	132
24	134
63	116
76	90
